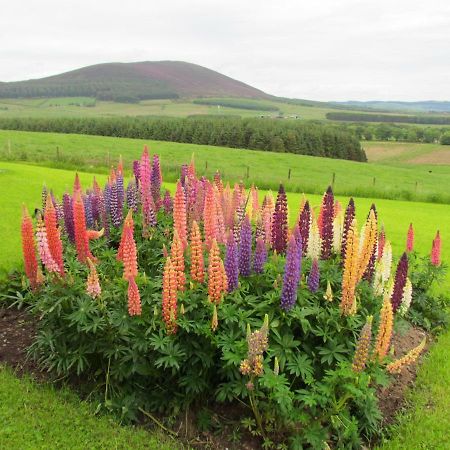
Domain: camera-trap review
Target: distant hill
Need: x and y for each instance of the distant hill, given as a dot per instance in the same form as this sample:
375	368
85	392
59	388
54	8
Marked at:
424	106
133	82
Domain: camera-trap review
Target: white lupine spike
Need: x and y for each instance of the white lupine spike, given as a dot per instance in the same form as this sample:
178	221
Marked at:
338	229
314	242
407	297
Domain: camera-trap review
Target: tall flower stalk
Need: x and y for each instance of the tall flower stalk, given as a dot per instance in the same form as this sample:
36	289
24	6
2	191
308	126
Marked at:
29	249
292	272
280	222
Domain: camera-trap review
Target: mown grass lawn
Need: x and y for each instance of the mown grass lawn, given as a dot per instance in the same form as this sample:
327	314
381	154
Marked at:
39	417
425	423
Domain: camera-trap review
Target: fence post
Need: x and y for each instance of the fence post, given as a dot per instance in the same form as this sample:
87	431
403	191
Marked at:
248	172
108	161
289	174
9	147
333	180
57	153
374	181
417	184
206	166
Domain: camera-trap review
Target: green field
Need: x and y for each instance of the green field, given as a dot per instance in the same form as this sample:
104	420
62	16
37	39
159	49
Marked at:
176	108
308	174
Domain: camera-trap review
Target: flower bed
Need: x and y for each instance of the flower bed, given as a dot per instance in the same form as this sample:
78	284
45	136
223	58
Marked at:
165	303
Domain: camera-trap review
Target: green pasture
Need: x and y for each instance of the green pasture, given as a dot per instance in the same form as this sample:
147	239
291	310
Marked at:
265	169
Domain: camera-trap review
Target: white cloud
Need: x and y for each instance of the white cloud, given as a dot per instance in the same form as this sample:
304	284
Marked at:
327	50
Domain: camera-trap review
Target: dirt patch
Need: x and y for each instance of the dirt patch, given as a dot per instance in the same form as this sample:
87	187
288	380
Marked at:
438	157
17	329
392	397
382	152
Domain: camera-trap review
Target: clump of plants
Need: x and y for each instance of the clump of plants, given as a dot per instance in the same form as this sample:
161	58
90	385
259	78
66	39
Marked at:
167	303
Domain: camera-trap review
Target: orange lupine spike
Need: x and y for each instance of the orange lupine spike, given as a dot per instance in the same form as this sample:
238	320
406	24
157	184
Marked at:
53	234
397	365
129	255
197	261
384	335
134	298
217	279
177	257
92	284
179	214
128	223
367	245
169	297
81	237
350	275
29	249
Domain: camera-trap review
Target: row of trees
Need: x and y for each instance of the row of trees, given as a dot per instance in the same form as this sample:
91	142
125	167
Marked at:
253	105
259	134
389	118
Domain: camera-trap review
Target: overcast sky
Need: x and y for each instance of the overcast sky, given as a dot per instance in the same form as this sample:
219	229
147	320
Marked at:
322	50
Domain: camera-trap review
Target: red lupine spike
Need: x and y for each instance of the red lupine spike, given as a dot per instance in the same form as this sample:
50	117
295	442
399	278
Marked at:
436	250
134	298
128	223
29	249
76	184
53	234
94	234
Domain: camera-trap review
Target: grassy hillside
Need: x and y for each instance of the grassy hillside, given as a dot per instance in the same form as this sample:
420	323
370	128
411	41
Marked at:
133	81
265	169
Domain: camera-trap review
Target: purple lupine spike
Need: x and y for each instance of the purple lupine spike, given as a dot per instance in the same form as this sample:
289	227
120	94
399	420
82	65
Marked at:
107	198
260	256
136	172
167	203
149	212
184	172
245	248
314	276
260	232
132	196
103	215
120	190
95	208
88	211
116	208
59	212
291	278
348	219
304	224
327	224
399	283
68	217
280	222
370	270
156	181
231	263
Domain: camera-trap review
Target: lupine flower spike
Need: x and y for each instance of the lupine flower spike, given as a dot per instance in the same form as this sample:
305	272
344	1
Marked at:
291	278
217	278
260	257
177	257
169	297
399	282
328	293
179	214
43	248
350	274
53	236
29	249
245	248
410	239
363	347
280	222
407	297
197	262
93	285
436	251
134	299
327	224
348	219
409	358
231	263
384	335
367	243
314	276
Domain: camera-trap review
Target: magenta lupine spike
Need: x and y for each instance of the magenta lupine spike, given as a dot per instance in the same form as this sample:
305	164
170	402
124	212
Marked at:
131	196
410	239
260	257
327	224
314	276
231	263
245	248
88	211
183	175
167	203
68	217
291	278
436	250
280	222
348	219
304	225
148	212
399	282
136	172
156	181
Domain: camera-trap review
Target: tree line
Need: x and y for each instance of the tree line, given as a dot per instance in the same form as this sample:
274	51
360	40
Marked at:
389	118
259	134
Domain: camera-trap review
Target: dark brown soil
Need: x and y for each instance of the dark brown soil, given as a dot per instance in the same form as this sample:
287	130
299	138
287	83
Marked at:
392	397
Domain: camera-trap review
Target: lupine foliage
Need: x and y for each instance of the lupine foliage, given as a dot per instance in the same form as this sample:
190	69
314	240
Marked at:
163	331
